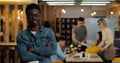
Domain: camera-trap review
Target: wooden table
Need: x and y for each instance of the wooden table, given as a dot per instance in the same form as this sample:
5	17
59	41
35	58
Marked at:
94	58
7	47
8	44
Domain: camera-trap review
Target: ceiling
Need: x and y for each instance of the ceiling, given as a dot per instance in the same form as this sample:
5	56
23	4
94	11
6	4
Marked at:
77	2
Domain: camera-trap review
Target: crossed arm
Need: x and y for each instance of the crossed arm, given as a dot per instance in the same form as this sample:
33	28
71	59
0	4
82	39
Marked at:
36	53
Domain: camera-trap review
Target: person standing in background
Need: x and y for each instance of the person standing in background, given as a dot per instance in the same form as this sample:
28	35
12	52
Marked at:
107	43
79	32
36	44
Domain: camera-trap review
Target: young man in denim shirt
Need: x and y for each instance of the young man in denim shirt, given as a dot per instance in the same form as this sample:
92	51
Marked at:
36	43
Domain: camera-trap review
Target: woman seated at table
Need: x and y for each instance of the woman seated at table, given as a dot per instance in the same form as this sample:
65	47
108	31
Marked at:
99	37
106	44
60	55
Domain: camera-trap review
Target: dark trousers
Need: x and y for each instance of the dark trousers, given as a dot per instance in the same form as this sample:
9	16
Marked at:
104	60
107	61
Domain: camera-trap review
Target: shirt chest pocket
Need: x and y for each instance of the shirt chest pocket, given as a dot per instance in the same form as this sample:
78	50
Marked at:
29	43
44	41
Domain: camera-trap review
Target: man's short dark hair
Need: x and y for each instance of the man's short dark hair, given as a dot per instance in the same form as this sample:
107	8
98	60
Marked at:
60	38
80	19
32	6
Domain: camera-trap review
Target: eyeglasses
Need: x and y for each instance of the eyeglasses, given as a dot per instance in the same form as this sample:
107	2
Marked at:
98	24
33	15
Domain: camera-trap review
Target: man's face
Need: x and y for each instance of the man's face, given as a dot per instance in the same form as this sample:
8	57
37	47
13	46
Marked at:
33	17
80	23
62	43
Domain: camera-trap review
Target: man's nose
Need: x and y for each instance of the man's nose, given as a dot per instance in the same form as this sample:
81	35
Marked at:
34	17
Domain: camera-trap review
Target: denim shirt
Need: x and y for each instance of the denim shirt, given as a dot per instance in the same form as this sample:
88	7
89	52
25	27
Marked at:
41	52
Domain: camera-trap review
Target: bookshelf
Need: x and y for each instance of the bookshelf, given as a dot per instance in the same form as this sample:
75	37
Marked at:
66	28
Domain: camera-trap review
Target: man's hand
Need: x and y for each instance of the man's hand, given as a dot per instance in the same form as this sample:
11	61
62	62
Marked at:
73	53
102	49
30	49
49	43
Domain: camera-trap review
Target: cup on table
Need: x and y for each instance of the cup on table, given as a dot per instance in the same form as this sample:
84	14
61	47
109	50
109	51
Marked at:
82	54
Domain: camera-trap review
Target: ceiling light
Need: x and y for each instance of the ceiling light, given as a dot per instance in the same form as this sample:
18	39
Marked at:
60	4
63	10
21	12
119	12
18	1
111	12
18	17
93	4
60	0
94	13
82	10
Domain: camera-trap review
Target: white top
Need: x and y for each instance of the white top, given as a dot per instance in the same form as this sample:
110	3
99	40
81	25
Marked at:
33	62
107	37
33	32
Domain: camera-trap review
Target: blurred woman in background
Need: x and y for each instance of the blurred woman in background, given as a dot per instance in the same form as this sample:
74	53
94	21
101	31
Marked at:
106	44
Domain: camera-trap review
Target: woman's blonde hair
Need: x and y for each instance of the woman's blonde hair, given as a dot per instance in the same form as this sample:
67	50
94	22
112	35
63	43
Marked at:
102	21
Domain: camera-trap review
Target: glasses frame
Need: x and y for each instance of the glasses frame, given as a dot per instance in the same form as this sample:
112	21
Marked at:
33	15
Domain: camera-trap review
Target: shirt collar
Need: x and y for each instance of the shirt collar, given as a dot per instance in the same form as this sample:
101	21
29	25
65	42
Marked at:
41	29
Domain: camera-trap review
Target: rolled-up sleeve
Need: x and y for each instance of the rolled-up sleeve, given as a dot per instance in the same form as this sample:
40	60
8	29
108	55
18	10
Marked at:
60	53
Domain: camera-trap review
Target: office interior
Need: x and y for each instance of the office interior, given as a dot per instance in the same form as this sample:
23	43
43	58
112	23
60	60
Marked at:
61	16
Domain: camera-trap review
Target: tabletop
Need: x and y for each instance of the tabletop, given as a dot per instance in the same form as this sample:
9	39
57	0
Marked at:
93	58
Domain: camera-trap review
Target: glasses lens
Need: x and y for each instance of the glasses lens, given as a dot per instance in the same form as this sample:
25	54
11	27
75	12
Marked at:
34	15
98	23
